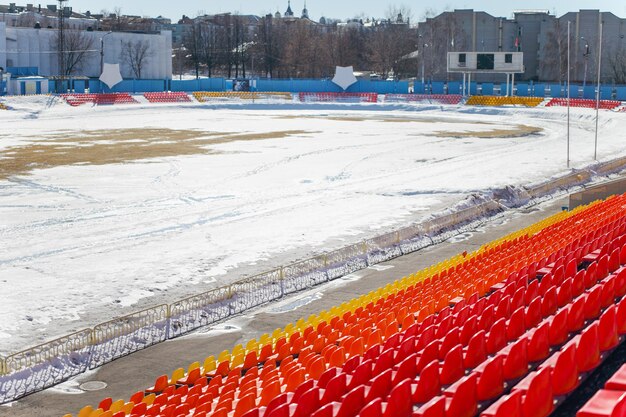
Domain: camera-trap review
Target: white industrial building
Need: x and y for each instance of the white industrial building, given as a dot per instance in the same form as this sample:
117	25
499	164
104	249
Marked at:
29	47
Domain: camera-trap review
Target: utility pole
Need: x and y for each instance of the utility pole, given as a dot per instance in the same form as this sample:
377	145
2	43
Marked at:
568	91
102	50
595	149
61	46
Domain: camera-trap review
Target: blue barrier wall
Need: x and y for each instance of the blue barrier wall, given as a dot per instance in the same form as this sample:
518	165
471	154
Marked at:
22	71
327	86
201	84
522	90
607	92
589	91
454	87
539	90
438	87
128	86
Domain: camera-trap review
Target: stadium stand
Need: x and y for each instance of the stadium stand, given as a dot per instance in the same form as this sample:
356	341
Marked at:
167	97
585	103
497	101
509	330
452	99
205	96
75	100
338	97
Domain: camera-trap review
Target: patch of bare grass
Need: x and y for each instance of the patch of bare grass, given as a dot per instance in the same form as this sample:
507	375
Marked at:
102	147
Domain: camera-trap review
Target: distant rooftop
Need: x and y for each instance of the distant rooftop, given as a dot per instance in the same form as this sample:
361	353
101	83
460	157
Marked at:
531	11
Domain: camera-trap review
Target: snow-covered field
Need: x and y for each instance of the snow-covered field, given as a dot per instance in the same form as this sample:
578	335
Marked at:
106	210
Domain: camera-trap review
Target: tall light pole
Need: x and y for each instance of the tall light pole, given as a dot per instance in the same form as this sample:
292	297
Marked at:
102	50
424	64
61	43
595	149
586	58
569	24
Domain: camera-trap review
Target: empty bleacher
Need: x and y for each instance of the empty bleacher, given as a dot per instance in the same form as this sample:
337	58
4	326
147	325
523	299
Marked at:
509	330
497	101
79	99
338	97
167	97
452	99
207	96
584	103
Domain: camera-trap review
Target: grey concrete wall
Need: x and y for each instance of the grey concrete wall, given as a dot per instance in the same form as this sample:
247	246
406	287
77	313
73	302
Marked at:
26	47
543	39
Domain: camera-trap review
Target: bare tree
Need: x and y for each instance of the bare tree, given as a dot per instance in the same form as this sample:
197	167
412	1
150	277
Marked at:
553	66
77	45
136	55
617	66
208	47
396	11
387	46
193	43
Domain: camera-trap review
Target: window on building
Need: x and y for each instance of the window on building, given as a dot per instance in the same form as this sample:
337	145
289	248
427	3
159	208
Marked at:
508	58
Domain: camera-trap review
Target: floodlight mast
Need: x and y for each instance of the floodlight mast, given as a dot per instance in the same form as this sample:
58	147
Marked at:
595	149
61	44
569	24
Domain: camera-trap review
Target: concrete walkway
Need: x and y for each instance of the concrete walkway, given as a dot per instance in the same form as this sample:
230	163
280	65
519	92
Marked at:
125	376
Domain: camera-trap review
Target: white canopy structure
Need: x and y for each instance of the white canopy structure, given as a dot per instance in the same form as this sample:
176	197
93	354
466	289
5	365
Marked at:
344	77
111	75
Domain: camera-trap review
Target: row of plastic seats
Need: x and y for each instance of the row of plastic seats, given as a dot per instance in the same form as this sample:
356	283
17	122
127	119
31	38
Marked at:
452	99
389	330
585	103
582	352
544	281
504	101
454	359
100	99
114	98
339	97
204	96
167	97
610	401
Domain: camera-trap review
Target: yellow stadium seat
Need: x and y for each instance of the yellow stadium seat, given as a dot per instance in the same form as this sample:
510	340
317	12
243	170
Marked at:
96	413
117	406
85	411
223	356
193	366
264	339
176	375
209	365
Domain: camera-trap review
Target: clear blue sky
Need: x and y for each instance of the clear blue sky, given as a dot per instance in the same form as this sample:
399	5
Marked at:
341	9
